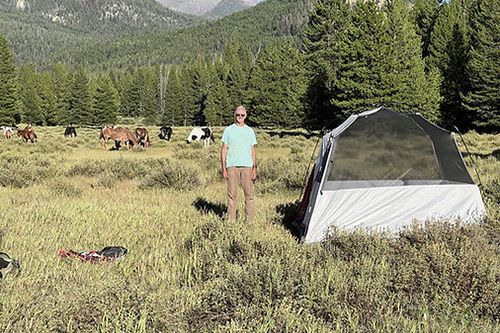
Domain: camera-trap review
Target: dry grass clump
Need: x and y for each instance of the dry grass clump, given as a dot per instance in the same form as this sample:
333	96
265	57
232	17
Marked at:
24	171
174	176
120	168
64	188
280	173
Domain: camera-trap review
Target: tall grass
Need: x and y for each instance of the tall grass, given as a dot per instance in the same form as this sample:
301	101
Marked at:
189	270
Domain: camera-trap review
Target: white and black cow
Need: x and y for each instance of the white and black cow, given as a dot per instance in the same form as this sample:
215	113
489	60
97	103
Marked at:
204	134
165	133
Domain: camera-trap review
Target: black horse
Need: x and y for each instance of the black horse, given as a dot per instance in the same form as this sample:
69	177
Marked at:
70	131
165	133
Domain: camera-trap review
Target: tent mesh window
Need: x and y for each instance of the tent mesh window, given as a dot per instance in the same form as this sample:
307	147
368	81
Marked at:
392	149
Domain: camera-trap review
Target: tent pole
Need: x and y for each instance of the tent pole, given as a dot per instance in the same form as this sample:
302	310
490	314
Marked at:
469	154
309	165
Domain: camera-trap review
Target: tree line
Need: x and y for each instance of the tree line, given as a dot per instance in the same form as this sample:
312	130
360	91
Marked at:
440	60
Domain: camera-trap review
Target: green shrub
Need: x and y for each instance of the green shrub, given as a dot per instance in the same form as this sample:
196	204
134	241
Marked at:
353	282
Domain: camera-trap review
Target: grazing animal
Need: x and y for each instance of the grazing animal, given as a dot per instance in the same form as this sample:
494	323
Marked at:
28	133
70	131
165	133
7	132
142	136
204	134
118	134
7	265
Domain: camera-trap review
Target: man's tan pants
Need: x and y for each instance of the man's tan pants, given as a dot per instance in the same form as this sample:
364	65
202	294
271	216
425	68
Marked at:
237	175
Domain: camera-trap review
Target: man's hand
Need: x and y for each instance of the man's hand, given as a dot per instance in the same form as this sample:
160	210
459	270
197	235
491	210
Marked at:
254	173
224	173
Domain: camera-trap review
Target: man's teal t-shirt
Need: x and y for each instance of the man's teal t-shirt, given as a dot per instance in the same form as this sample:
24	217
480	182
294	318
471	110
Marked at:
239	141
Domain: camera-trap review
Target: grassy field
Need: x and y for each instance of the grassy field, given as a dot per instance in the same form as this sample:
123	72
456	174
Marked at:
188	270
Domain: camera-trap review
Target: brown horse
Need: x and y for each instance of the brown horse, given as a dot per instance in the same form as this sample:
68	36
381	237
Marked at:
142	136
118	134
28	133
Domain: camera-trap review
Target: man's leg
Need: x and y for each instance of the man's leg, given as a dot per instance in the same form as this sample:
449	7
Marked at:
248	189
232	190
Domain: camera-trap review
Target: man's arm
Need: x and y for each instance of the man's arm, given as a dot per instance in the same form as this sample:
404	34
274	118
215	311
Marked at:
223	154
254	160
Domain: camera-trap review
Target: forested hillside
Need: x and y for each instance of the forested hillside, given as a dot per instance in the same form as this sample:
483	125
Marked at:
256	26
39	29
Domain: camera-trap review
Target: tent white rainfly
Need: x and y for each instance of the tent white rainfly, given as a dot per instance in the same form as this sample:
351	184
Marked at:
383	170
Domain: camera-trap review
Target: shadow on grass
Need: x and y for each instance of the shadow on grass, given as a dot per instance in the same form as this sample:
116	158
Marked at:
284	133
288	212
495	153
206	207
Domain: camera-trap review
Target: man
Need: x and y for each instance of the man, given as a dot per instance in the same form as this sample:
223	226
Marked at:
239	164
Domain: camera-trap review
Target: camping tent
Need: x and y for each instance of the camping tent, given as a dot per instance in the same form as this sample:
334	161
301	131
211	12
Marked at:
383	170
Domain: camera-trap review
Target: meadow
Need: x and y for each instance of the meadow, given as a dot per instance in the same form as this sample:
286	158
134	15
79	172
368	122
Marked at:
189	270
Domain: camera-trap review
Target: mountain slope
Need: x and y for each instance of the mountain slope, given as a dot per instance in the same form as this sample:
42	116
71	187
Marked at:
38	28
258	25
209	8
117	17
227	7
194	7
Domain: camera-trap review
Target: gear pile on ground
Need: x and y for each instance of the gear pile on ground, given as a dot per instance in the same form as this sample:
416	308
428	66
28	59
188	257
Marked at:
109	253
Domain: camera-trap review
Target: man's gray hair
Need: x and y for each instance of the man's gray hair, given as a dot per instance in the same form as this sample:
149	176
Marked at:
240	107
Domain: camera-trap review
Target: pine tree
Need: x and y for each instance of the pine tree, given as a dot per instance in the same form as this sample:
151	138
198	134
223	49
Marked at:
29	96
149	95
405	82
174	113
61	81
325	42
9	85
425	13
48	100
200	89
106	102
218	109
361	63
187	96
238	58
79	100
448	51
277	86
482	100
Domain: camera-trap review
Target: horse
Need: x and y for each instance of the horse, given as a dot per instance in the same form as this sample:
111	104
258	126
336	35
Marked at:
142	136
28	133
7	132
119	135
70	131
165	133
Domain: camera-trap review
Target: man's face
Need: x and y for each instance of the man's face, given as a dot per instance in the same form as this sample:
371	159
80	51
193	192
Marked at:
240	116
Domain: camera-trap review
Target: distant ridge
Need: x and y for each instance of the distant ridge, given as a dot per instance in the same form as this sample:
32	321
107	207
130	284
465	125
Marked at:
227	7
